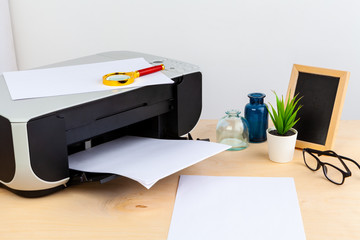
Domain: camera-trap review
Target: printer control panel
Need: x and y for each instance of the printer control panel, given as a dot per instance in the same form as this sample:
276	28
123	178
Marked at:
173	68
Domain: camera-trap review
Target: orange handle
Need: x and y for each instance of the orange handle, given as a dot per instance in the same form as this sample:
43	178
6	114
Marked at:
149	70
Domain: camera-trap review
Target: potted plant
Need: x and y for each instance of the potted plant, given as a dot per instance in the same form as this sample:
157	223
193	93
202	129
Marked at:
282	137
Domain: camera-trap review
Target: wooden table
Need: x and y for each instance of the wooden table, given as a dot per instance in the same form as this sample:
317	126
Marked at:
123	209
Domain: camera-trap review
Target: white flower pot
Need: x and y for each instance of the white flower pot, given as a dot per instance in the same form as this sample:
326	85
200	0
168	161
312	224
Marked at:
281	148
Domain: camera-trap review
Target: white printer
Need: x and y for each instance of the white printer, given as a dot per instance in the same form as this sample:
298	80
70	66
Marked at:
37	135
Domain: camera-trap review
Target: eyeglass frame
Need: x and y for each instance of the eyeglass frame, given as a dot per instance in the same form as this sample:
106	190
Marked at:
330	153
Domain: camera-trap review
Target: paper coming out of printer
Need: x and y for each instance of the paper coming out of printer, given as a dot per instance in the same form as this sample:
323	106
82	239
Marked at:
145	160
76	79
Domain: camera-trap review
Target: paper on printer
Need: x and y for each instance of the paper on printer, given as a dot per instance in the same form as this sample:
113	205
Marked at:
145	160
76	79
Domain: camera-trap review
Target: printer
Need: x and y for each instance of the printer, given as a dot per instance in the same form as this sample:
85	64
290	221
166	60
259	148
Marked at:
37	135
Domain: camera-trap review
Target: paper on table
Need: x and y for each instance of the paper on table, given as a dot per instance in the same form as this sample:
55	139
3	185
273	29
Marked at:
145	160
76	79
236	208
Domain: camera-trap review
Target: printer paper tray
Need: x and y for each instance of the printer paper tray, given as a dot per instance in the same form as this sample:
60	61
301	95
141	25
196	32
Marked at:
145	160
77	177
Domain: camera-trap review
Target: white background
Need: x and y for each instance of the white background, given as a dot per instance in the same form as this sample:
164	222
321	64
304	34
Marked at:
241	46
7	51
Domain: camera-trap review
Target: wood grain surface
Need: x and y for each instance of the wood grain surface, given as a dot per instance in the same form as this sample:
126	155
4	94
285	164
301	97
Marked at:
123	209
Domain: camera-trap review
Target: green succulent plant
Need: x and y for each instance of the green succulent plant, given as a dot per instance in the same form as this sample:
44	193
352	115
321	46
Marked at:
285	116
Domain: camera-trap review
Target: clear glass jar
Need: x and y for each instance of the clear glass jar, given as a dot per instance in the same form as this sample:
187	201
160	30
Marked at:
233	130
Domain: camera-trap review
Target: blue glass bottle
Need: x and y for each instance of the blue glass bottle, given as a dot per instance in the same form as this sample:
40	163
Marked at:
256	114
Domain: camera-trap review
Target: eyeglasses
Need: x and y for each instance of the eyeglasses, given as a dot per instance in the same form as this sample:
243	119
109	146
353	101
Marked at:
331	172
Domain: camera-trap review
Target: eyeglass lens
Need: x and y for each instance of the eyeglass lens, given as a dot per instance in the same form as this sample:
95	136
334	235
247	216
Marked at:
310	161
331	173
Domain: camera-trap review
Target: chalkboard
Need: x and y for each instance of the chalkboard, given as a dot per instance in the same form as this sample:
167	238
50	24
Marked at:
323	93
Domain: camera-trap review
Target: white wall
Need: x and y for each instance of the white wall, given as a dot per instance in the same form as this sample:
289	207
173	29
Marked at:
7	51
241	46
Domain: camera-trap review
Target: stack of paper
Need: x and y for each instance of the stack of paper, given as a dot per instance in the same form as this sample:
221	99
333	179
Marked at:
145	160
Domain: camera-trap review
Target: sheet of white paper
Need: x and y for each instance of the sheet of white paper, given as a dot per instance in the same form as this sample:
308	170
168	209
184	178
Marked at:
214	208
145	160
76	79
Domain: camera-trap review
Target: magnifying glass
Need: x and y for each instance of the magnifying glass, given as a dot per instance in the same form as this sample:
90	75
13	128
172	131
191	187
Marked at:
126	78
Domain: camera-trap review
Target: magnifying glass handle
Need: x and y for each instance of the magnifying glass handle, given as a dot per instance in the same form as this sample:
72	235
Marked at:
149	70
